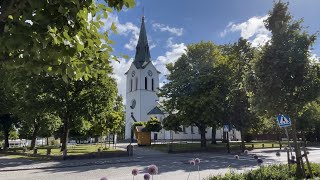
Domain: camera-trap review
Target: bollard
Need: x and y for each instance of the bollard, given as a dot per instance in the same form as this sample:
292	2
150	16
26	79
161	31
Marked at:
48	151
280	146
130	150
262	145
272	145
35	151
252	145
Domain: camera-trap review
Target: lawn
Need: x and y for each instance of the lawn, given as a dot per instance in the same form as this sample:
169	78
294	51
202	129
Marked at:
79	149
195	146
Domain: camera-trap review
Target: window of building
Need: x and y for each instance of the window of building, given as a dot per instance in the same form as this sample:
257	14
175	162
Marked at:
131	85
145	83
136	83
192	131
152	87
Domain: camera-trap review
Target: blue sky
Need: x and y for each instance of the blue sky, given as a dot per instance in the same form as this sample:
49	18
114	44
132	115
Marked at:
172	24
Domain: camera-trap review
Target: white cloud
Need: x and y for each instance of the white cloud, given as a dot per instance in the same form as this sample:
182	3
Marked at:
315	58
163	28
171	56
119	68
253	29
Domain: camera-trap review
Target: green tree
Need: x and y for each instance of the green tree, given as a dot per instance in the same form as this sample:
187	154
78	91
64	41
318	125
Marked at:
241	56
285	82
194	94
77	101
57	36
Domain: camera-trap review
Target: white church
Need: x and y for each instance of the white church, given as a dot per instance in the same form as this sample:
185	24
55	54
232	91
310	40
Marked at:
142	101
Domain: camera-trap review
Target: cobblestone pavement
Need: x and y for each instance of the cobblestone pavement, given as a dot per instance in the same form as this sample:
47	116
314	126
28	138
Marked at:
171	166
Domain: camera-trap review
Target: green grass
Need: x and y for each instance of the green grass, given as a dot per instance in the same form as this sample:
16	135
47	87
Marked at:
79	149
280	172
180	147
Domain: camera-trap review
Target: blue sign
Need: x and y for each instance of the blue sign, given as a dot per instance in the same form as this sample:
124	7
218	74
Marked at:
284	121
225	128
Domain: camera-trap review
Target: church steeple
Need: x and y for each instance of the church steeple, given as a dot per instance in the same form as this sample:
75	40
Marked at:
142	56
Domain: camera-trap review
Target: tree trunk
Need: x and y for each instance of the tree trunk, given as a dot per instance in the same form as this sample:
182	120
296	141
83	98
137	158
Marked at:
203	136
224	140
34	136
65	135
6	138
47	141
213	134
243	146
299	170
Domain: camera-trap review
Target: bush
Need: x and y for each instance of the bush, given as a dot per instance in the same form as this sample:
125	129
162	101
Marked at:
279	172
54	143
248	137
153	125
137	124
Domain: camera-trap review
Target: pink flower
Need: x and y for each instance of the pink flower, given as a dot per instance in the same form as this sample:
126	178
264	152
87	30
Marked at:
236	156
146	176
197	161
153	169
192	162
135	172
104	178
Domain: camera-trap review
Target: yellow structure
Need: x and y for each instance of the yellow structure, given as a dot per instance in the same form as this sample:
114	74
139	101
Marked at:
143	138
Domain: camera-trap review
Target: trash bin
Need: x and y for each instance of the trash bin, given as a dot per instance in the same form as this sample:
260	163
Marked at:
130	150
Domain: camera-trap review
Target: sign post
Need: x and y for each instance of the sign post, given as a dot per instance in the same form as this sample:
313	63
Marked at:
284	122
226	129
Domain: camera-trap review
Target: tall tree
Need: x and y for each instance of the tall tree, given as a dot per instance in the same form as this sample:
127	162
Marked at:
57	36
194	93
241	56
284	82
77	101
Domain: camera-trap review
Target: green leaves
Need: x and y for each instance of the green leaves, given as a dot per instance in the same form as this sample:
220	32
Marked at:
60	31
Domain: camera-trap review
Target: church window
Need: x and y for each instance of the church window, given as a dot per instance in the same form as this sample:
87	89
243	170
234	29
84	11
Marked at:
152	86
136	83
130	85
145	83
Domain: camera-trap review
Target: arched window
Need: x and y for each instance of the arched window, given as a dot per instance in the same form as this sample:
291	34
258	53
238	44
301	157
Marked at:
130	85
136	83
145	83
152	87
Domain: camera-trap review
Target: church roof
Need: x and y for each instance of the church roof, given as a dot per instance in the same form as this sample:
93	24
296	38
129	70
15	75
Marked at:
156	110
142	57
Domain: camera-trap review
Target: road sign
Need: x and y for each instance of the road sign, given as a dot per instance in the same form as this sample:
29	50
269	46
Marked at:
225	128
284	121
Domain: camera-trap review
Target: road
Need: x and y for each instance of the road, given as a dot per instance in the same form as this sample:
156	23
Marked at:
171	166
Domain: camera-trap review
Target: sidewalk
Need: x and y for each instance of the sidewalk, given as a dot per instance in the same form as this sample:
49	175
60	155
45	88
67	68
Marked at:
139	153
17	164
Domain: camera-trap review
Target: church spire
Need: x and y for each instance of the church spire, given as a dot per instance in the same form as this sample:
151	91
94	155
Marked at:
142	56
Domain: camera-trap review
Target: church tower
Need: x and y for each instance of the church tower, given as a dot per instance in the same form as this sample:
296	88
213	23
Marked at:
142	84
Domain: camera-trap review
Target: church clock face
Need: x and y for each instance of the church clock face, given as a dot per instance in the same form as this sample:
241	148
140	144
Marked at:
150	73
133	104
133	73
